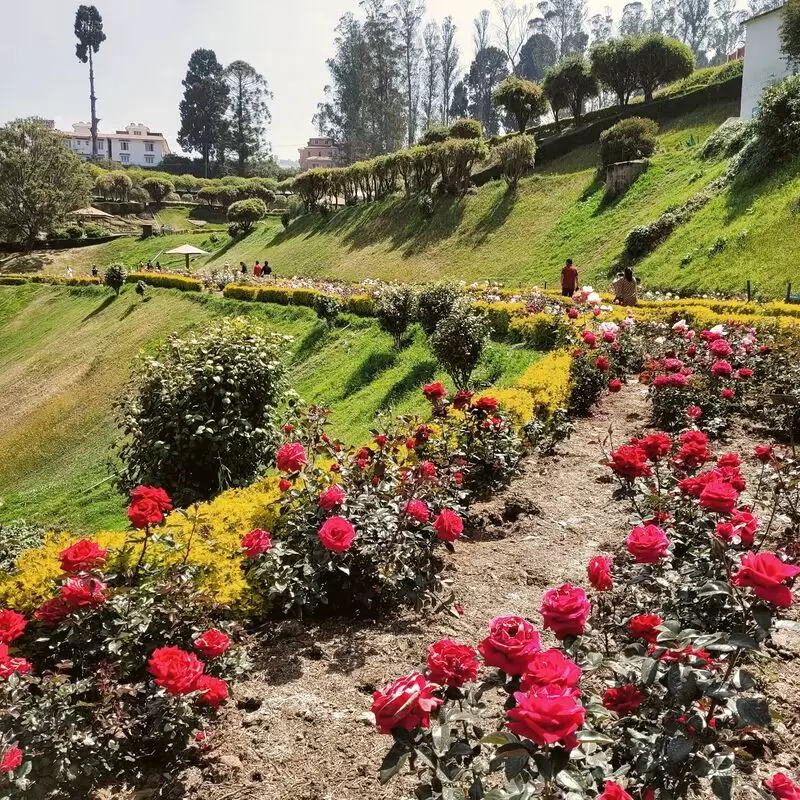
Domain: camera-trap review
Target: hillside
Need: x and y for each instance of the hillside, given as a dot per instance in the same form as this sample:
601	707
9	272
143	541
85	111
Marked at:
65	355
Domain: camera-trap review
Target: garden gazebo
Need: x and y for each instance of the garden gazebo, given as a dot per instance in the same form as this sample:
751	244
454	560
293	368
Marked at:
187	250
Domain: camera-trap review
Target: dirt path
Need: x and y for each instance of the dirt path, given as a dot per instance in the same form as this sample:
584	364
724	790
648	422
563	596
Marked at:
301	727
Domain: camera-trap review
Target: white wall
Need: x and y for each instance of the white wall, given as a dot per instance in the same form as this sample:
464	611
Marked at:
764	64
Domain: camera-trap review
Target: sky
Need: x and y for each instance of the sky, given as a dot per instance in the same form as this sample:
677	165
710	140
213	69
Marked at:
139	68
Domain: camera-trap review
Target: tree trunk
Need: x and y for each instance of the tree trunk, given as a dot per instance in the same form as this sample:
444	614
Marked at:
93	105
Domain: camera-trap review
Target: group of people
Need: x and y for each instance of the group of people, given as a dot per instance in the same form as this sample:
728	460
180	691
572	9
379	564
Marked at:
259	270
625	285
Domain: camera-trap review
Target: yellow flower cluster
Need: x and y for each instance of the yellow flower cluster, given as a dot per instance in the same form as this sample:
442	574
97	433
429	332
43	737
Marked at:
548	382
500	315
212	538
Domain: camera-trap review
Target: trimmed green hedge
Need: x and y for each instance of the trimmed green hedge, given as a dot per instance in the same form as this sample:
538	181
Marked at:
51	280
166	281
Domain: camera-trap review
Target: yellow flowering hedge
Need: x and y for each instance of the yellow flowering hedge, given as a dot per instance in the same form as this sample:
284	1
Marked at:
213	540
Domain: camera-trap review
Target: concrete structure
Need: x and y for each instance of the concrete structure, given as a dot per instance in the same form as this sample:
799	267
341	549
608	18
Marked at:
321	151
136	145
764	63
621	175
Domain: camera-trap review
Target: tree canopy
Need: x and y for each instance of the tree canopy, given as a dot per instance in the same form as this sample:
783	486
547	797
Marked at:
248	112
523	100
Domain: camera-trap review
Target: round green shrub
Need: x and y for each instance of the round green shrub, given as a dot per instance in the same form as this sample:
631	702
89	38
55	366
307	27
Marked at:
629	139
434	303
466	129
458	342
395	311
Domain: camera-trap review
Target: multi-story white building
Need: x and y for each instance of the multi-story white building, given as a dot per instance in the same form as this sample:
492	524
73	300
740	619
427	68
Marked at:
764	63
136	145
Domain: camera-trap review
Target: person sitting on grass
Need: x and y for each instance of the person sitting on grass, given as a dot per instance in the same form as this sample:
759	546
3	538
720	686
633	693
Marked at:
257	269
625	288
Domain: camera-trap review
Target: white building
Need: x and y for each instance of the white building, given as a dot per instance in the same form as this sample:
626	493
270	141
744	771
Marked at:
764	63
136	145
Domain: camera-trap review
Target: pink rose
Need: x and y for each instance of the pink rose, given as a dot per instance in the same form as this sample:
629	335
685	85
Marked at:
510	644
565	610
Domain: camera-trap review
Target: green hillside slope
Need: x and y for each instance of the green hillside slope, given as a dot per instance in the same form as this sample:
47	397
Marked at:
65	355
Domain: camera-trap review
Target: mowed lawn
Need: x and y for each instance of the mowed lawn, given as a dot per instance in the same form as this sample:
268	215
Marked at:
66	355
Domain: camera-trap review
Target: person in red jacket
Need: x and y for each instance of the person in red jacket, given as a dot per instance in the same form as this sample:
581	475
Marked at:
569	279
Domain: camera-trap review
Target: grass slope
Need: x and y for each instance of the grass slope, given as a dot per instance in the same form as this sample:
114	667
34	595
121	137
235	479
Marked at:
65	355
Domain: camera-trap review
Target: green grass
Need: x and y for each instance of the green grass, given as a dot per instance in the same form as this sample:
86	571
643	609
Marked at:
65	355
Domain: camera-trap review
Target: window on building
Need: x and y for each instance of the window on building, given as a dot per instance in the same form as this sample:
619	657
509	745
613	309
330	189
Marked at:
124	145
124	158
148	147
148	159
137	133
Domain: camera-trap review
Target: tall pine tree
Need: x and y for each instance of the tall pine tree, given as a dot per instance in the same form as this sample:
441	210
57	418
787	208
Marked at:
248	113
89	31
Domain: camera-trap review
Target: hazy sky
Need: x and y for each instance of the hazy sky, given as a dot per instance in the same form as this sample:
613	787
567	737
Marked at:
141	64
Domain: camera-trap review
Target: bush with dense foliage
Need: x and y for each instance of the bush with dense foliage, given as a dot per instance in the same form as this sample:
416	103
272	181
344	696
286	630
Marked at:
521	99
200	415
629	139
114	277
614	67
458	341
466	129
396	310
569	84
659	60
158	188
434	134
434	302
777	126
244	214
790	31
327	308
516	157
166	281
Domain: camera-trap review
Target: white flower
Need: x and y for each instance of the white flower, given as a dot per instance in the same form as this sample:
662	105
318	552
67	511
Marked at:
609	327
680	326
718	329
593	298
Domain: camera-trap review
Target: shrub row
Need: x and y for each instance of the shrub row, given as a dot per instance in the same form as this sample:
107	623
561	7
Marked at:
52	280
166	281
361	305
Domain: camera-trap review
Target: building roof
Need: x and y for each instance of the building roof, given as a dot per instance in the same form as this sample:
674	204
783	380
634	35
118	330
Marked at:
157	137
763	14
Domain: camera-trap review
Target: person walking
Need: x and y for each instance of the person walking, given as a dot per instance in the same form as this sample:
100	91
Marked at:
625	288
569	279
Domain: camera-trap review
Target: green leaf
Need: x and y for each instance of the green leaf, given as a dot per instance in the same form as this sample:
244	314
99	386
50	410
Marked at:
743	641
722	786
393	762
753	711
678	749
566	780
649	671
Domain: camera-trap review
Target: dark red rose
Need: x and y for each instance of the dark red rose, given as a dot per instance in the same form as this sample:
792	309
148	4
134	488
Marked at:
720	497
381	440
427	469
765	453
331	497
782	787
599	572
623	700
565	610
212	643
546	715
613	791
655	446
52	611
11	759
645	626
767	575
406	703
417	510
648	544
213	691
744	373
629	461
572	313
175	670
721	369
510	644
589	338
337	534
83	592
448	525
462	399
12	625
615	385
291	457
82	556
727	394
434	392
255	543
602	363
284	484
288	427
550	668
452	664
487	404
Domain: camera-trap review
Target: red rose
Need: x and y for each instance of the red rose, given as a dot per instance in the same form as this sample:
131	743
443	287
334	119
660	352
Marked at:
648	544
615	385
12	625
80	592
427	469
510	644
655	446
458	478
175	670
82	556
487	404
212	643
720	497
154	493
572	313
721	369
448	525
613	791
406	703
694	412
694	486
766	575
629	461
381	440
729	460
284	484
578	352
764	453
565	610
673	365
693	449
546	715
727	394
623	700
550	668
744	373
462	399
720	348
434	392
291	457
255	543
589	338
288	427
782	787
602	363
451	664
52	611
331	497
337	534
417	510
675	656
9	666
12	758
742	526
148	506
214	691
599	572
645	626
